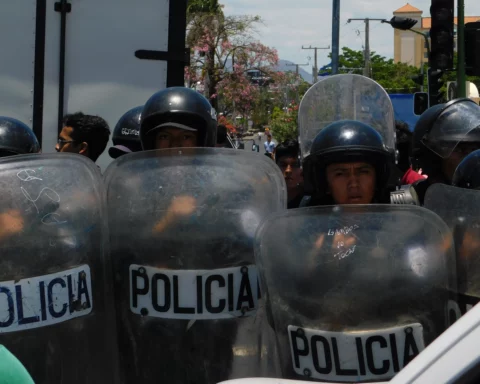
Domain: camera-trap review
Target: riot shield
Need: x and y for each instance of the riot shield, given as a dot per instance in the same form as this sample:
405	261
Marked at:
354	292
56	301
345	97
182	224
460	209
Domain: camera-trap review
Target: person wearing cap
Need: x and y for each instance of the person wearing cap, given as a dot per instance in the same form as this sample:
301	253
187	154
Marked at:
126	133
178	117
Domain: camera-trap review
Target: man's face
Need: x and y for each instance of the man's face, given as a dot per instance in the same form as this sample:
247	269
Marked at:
450	164
66	143
292	172
269	138
170	137
351	183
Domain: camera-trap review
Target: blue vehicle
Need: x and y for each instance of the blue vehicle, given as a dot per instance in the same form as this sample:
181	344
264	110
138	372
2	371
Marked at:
403	106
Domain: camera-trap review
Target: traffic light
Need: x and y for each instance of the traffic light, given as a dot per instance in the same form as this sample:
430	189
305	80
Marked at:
418	79
420	103
435	83
441	34
472	49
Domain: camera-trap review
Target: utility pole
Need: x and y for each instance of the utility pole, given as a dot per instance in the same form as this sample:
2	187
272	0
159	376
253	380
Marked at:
315	68
296	65
367	20
296	71
335	36
461	85
367	48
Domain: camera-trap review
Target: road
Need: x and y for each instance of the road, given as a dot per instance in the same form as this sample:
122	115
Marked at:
249	140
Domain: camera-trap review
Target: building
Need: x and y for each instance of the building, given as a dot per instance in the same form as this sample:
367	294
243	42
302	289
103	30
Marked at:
410	47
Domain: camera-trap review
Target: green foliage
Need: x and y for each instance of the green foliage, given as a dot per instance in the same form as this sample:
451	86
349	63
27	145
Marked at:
394	77
284	123
203	6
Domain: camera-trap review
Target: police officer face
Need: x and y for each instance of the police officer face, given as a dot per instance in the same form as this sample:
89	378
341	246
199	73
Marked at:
170	137
351	183
66	143
450	164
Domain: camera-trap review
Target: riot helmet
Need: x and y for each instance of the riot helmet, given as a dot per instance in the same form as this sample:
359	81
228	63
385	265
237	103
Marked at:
467	174
126	134
181	108
346	141
443	135
16	138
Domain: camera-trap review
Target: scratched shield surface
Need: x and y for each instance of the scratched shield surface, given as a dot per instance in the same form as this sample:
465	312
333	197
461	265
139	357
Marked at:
460	209
345	97
56	309
354	292
182	225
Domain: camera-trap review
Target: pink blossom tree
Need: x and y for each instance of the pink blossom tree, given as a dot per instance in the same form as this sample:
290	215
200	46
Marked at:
223	50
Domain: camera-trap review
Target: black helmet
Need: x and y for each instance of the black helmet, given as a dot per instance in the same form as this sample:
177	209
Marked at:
126	134
441	128
182	107
346	141
467	174
16	138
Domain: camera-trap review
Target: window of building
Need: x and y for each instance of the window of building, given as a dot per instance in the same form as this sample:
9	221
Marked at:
425	55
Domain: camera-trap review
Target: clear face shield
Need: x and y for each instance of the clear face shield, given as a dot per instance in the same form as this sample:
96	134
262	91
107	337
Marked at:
345	97
458	122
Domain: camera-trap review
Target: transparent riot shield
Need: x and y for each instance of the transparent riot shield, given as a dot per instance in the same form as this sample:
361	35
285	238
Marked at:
354	292
182	224
56	301
345	97
460	209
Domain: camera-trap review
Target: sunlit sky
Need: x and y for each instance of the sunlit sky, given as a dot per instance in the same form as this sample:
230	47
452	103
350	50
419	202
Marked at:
290	23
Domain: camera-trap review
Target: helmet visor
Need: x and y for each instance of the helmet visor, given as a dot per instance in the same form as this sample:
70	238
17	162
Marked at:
457	122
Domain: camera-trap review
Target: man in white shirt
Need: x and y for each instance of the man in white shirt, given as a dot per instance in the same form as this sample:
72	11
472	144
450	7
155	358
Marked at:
269	146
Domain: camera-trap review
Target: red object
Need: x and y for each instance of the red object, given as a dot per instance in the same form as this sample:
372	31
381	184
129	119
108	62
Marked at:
411	176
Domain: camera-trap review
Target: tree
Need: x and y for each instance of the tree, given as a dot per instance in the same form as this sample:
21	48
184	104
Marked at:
284	124
223	48
394	77
238	90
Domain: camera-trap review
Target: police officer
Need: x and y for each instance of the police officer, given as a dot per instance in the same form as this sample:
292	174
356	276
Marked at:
443	136
16	138
178	117
348	164
467	174
126	134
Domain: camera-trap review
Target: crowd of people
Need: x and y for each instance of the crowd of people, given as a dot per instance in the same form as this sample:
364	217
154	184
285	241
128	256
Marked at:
348	162
357	169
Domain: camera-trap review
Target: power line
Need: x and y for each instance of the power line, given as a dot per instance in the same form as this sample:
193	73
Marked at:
367	42
315	68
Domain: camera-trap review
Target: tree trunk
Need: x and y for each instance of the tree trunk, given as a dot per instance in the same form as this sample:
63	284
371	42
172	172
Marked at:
212	76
